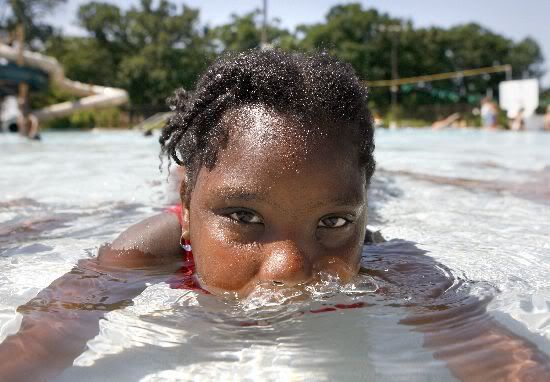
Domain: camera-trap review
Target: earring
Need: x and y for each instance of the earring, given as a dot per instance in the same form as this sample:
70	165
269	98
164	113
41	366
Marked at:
185	245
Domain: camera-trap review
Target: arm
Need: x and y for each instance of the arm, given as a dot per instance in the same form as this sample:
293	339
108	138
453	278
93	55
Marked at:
476	347
64	316
455	325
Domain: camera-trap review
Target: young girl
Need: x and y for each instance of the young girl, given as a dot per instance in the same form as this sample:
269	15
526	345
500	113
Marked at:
277	152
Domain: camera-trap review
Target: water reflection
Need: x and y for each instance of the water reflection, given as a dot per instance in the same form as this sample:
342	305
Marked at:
324	330
420	309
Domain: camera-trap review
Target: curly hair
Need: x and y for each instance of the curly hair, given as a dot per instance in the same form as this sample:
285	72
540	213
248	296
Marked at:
309	87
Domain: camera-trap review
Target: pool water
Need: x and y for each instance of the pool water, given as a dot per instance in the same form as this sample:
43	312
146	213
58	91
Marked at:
466	213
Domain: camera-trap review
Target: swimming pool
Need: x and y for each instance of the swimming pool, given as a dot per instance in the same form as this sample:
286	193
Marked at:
470	205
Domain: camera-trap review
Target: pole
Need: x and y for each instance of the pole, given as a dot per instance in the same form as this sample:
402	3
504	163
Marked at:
394	73
263	44
508	72
23	87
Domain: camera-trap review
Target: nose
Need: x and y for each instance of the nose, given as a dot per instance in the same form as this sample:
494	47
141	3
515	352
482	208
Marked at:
286	263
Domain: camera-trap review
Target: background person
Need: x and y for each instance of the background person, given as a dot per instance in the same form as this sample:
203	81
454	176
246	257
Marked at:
489	112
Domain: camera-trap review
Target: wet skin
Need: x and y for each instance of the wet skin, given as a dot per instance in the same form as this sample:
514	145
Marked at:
283	202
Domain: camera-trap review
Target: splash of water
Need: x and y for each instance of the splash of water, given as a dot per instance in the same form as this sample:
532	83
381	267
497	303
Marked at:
268	303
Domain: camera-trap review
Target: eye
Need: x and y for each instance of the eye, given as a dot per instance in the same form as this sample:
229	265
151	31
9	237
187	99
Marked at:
245	217
333	222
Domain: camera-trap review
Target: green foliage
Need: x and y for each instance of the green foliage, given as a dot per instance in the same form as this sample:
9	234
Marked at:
148	50
49	97
110	117
30	14
408	122
364	38
354	35
545	98
84	59
244	32
157	46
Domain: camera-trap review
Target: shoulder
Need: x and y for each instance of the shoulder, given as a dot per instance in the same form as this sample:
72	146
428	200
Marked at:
152	241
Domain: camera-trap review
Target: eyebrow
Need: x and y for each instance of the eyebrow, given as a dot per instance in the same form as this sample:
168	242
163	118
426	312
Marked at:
344	200
230	193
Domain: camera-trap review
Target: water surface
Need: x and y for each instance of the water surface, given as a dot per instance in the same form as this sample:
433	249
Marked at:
467	214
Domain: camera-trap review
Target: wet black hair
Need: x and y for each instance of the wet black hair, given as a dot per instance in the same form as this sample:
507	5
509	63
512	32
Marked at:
313	88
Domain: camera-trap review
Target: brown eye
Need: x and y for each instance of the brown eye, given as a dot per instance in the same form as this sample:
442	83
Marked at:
332	222
246	217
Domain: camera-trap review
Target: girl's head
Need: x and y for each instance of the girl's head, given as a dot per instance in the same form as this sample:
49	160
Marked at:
278	153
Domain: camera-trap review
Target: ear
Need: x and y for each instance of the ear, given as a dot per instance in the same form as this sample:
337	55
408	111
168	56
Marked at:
185	222
184	206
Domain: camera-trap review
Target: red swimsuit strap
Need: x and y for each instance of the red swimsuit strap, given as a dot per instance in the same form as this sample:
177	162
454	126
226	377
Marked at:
176	210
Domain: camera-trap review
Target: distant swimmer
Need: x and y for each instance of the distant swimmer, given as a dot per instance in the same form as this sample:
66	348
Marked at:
28	125
450	121
518	122
34	127
489	112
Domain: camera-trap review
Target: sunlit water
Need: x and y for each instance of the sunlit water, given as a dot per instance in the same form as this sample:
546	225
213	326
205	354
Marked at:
469	212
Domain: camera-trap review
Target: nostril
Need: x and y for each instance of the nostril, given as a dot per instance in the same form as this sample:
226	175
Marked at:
278	283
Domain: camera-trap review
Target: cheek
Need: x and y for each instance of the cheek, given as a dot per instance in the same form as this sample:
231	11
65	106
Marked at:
345	264
347	240
220	262
343	252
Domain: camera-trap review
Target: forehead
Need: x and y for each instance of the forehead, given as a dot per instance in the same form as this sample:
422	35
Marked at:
268	152
256	130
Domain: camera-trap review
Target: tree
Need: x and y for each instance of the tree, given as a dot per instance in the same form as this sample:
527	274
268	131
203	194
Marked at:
84	59
29	13
157	46
360	37
148	50
526	58
244	32
169	50
364	39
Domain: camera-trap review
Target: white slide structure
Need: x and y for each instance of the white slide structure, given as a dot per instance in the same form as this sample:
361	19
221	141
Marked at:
93	96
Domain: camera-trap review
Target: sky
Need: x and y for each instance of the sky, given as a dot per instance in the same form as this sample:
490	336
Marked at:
512	18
